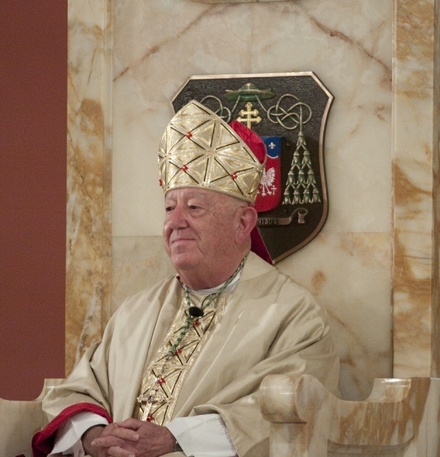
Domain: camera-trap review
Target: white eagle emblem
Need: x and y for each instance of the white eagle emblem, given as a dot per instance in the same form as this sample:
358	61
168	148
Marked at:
267	186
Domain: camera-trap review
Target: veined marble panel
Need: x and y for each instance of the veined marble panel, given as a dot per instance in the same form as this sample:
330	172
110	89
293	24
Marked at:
88	250
138	263
436	197
238	1
375	251
158	47
413	116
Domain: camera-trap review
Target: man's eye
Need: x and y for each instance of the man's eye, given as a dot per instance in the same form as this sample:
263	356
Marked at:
168	209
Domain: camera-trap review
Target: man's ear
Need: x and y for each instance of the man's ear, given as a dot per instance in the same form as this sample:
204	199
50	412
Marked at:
247	220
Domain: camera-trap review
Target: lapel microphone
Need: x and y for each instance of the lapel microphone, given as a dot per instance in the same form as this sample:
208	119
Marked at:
195	312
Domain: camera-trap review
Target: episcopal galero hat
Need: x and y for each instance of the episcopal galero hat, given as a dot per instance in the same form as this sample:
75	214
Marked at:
199	149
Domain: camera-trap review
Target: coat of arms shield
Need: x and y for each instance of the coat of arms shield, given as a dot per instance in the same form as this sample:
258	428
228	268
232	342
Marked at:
289	111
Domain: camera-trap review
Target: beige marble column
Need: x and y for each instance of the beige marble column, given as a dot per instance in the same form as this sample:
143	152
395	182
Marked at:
88	278
415	183
435	371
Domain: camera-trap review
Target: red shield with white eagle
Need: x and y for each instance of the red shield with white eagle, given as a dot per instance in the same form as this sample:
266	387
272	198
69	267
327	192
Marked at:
269	192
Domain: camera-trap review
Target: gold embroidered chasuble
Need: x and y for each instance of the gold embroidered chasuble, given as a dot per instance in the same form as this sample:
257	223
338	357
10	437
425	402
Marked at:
268	324
164	377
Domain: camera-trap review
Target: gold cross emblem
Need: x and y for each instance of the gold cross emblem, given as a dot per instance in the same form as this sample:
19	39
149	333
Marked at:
249	116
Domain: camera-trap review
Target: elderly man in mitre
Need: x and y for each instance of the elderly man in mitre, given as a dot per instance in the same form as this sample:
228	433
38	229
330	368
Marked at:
179	365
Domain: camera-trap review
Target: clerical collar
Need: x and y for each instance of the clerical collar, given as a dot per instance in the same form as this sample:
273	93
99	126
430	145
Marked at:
193	311
226	286
229	288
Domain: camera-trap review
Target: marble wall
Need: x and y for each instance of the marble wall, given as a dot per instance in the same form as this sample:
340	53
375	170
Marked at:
414	152
89	188
374	266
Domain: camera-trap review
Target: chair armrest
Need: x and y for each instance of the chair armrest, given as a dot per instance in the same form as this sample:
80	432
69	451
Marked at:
20	420
400	415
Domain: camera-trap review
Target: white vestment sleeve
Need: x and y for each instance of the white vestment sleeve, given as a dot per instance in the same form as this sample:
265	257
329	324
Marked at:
202	436
68	441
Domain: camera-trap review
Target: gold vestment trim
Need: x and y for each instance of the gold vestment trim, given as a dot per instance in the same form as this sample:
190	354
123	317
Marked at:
165	375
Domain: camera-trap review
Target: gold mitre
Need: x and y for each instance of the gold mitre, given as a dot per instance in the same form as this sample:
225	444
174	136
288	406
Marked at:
198	149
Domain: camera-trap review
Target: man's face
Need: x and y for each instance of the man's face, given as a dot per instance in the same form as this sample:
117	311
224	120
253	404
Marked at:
200	230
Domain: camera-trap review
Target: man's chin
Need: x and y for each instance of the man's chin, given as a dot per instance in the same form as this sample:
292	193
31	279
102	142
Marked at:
183	261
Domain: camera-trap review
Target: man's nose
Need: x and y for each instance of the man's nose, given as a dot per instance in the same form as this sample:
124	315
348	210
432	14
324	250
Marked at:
177	218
